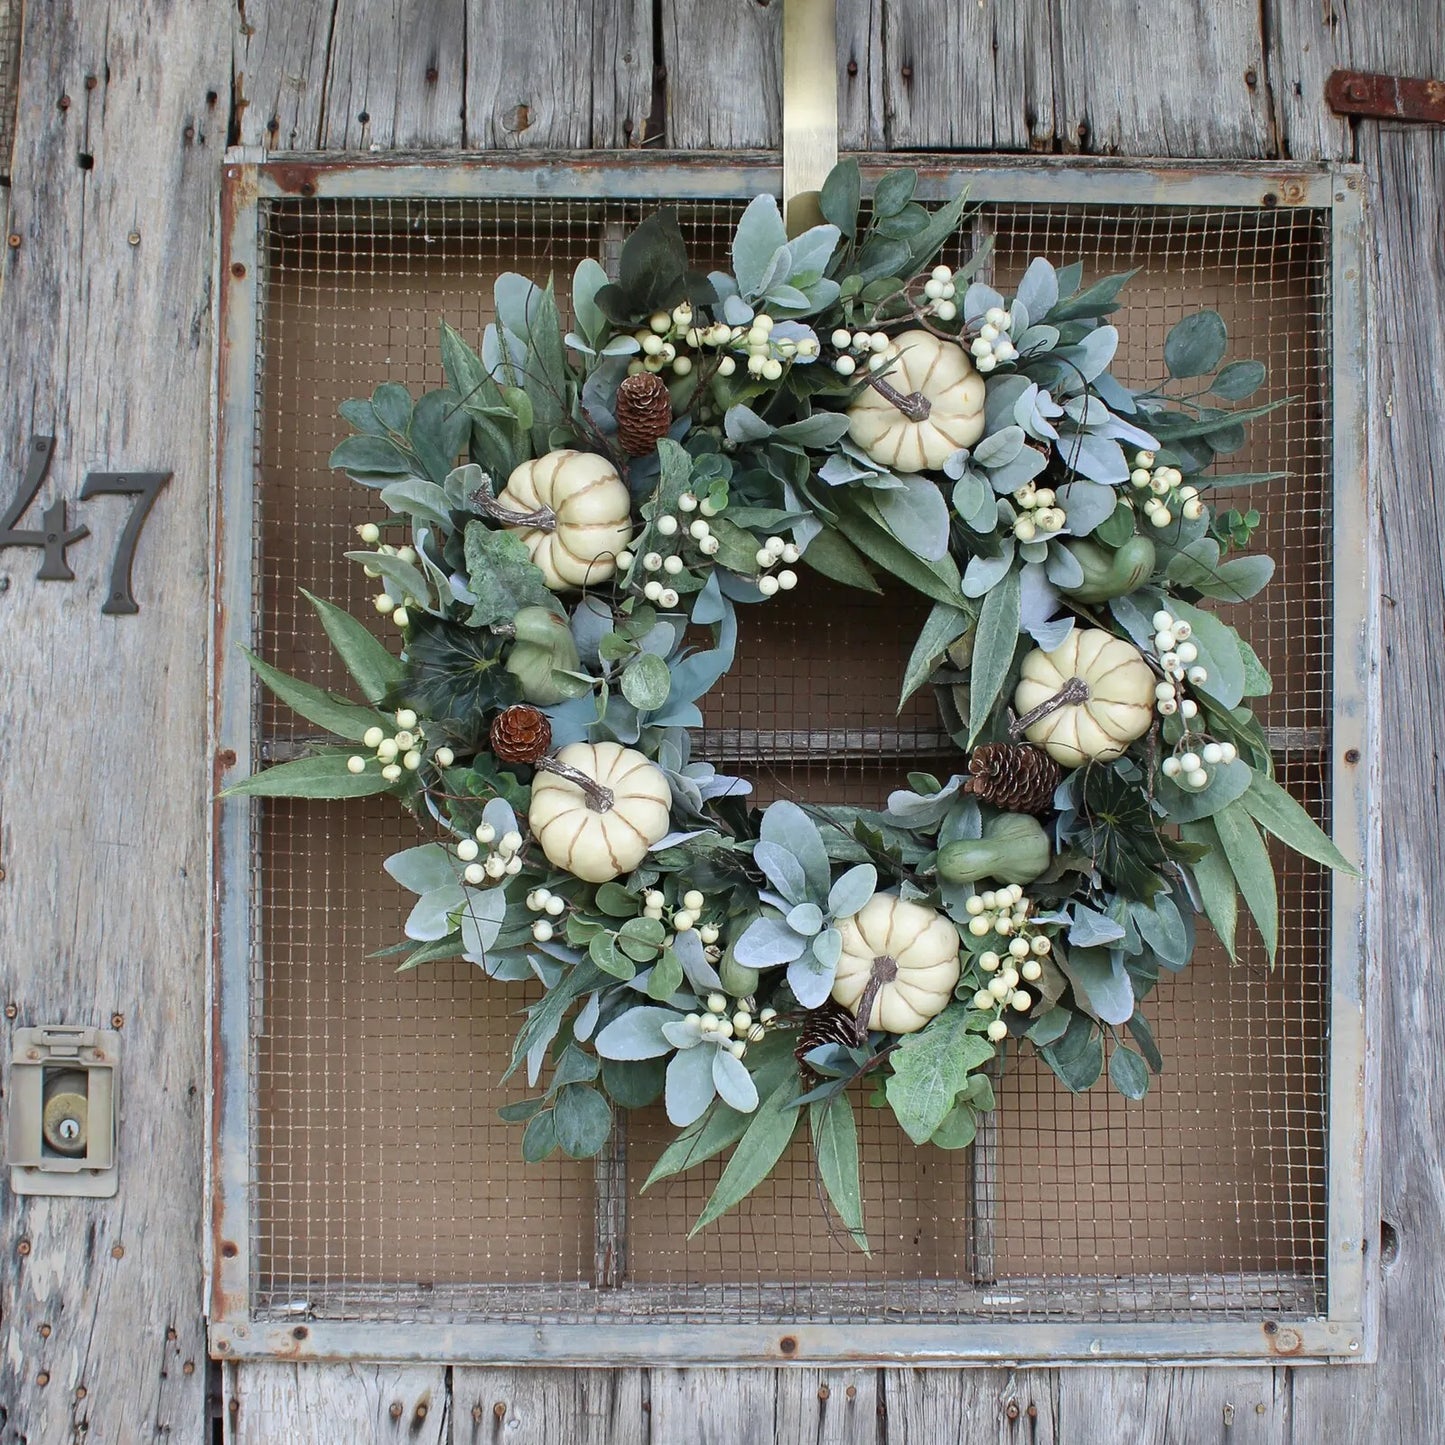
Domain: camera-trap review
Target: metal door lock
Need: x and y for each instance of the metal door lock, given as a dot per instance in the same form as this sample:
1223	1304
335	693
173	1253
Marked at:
62	1111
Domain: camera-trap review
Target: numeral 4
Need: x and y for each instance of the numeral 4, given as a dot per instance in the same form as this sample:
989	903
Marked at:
56	533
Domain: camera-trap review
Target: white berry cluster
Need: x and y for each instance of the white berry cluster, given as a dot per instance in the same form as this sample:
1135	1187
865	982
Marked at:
1006	914
993	344
543	900
671	339
683	919
384	602
503	858
769	555
687	527
1042	513
1167	492
939	290
402	751
872	350
1178	658
733	1023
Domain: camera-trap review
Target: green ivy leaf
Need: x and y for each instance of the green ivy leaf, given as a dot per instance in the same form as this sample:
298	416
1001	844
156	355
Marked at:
930	1068
501	575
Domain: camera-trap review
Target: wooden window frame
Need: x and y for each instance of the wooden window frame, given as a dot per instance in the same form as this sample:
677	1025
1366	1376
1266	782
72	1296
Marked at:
1345	1330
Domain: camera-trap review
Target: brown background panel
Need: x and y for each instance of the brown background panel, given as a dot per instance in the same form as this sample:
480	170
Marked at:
379	1153
382	1163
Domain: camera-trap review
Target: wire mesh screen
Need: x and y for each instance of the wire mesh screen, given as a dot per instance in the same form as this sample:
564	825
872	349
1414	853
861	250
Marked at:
384	1183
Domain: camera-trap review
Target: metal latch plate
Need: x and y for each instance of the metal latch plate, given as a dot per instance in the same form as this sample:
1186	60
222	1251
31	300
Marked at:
62	1111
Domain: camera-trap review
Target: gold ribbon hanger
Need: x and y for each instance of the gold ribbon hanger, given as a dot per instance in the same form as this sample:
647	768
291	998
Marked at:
810	107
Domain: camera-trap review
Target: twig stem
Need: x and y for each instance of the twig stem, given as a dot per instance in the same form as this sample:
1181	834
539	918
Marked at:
1075	690
544	519
915	406
599	799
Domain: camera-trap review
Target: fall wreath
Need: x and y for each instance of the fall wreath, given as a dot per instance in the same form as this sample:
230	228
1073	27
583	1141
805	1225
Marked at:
571	527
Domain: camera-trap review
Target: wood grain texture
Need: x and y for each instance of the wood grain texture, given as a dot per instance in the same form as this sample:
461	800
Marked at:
724	63
1303	44
1400	1397
1171	79
542	1407
279	61
394	75
974	76
331	1404
706	1407
828	1407
558	73
106	325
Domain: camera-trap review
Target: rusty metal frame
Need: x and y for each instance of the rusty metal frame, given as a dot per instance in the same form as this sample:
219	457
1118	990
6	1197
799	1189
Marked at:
1345	1331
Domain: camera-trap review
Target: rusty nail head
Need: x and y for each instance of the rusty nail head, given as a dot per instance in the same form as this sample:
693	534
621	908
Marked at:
1357	90
500	1409
227	757
233	1405
851	1392
238	269
222	1347
44	1332
43	1378
1032	1411
1012	1410
823	1392
788	1345
421	1411
11	1010
395	1411
117	1251
23	1247
476	1414
91	82
117	1021
80	1392
300	1332
1352	755
32	1053
134	238
63	103
14	239
189	1368
229	1249
1270	1327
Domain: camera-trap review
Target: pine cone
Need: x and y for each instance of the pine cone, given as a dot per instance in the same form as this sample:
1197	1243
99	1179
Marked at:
644	413
829	1023
1017	777
521	734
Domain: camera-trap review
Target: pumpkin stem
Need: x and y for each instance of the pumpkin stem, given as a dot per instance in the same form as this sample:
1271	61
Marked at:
884	970
544	519
1074	691
915	406
599	799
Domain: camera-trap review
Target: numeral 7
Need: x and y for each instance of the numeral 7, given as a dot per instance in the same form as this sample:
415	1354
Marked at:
147	487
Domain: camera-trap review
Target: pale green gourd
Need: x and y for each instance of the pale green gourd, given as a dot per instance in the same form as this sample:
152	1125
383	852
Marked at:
1014	849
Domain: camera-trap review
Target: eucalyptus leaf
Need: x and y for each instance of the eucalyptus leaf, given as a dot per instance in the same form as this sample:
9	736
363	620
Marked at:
1278	813
375	670
1195	345
325	709
582	1119
646	682
1128	1073
1250	864
759	1149
322	775
835	1146
996	640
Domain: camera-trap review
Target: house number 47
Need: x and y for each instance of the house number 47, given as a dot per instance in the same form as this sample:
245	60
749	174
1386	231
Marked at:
55	533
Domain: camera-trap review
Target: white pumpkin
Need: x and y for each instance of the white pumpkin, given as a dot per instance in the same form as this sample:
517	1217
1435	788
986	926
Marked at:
594	844
920	945
941	372
591	508
1115	703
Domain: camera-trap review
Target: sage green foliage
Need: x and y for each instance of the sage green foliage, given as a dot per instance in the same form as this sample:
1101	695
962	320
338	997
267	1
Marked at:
762	453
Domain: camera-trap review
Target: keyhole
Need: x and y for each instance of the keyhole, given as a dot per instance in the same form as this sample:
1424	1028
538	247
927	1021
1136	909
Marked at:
68	1129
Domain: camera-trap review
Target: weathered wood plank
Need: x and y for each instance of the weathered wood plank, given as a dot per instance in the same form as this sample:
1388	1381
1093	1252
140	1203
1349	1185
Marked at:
1161	1407
828	1407
1400	1397
542	1407
1175	79
724	62
279	69
1303	45
106	326
708	1407
394	75
975	1407
558	73
860	75
968	76
328	1404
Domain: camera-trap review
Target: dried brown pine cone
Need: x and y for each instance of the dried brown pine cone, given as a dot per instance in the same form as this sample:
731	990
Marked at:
829	1023
521	734
1016	777
644	413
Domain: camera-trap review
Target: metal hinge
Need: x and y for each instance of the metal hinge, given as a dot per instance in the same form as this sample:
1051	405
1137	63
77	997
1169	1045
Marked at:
1386	97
